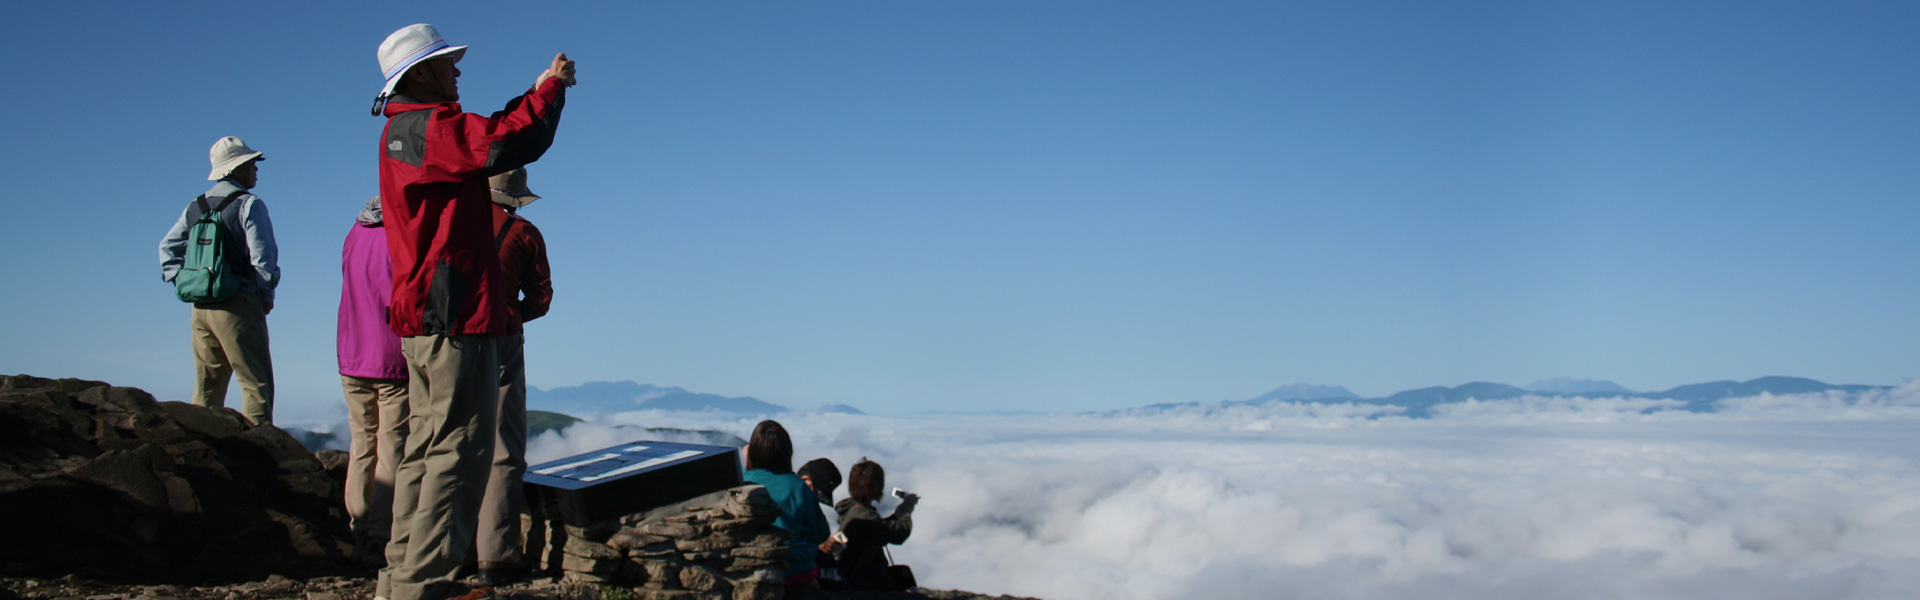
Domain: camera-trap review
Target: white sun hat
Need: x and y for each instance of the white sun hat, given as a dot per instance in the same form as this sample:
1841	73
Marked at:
407	47
229	153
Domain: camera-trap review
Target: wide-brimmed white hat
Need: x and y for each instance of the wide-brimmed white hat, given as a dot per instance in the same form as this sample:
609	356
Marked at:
407	47
510	189
229	153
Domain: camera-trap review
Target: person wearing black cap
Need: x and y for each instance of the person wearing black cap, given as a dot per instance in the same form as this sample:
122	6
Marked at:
821	475
824	477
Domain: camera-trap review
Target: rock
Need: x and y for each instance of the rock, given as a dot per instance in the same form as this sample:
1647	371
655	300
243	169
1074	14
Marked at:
132	472
629	539
771	536
285	451
597	566
332	460
744	564
673	530
699	578
696	514
583	548
758	551
117	399
74	386
709	543
772	576
704	557
316	484
753	590
597	533
579	577
123	488
661	571
634	571
751	502
729	525
216	423
276	583
12	481
664	548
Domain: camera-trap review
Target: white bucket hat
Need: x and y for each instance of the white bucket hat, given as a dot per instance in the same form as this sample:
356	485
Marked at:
407	47
229	153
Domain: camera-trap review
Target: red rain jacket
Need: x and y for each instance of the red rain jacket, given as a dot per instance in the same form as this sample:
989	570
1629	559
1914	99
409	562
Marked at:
523	253
434	165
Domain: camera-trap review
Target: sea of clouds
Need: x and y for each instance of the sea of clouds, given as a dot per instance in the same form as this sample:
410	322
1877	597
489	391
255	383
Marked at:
1799	496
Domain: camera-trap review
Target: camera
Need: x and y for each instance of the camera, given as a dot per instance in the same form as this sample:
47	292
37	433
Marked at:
899	493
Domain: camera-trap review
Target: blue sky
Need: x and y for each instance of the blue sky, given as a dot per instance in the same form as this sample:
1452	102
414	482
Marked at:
1060	206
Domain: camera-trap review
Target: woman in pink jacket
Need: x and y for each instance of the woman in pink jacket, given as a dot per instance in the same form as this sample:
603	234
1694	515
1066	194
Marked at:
374	375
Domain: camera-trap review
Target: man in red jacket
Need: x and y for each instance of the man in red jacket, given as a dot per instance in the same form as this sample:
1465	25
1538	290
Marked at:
523	254
450	294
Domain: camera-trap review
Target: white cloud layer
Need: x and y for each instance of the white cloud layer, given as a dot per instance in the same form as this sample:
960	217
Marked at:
1802	496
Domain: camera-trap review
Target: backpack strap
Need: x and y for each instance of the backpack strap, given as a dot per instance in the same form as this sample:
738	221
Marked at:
213	212
501	238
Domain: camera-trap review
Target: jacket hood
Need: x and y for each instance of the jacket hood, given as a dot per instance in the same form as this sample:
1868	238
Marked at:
370	214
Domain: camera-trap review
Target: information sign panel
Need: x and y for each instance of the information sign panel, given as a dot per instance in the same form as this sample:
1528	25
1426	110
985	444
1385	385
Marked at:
598	486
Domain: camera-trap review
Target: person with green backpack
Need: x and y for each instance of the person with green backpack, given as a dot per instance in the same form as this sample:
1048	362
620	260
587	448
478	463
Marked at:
221	257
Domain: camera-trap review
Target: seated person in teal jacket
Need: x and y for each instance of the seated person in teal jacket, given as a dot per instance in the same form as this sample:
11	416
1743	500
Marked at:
769	457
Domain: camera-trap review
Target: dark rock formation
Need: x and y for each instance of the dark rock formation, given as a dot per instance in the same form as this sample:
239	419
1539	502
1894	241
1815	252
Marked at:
106	483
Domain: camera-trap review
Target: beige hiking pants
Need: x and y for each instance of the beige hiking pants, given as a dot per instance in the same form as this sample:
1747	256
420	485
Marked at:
452	395
230	338
376	421
499	541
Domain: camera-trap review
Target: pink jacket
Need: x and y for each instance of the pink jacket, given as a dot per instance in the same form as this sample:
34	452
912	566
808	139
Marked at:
368	348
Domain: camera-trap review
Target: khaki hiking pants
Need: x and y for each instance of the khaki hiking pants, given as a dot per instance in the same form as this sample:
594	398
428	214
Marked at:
230	338
376	421
453	391
498	542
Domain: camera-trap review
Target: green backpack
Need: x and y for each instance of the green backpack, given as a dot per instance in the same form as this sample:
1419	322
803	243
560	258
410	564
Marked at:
207	276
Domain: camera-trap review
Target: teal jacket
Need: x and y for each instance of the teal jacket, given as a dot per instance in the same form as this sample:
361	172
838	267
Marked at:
799	514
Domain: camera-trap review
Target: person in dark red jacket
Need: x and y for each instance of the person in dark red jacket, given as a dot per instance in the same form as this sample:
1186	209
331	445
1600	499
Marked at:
523	255
449	303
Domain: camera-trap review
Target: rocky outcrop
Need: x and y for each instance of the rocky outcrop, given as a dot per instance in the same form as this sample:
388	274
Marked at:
107	483
720	546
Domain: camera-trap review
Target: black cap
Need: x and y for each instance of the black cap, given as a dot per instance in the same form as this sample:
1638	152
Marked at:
824	476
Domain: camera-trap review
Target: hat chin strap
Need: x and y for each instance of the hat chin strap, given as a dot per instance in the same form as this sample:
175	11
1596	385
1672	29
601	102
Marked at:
380	103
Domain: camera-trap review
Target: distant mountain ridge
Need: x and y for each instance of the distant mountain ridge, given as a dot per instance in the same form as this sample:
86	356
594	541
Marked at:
617	396
620	396
1304	392
1568	385
1699	397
